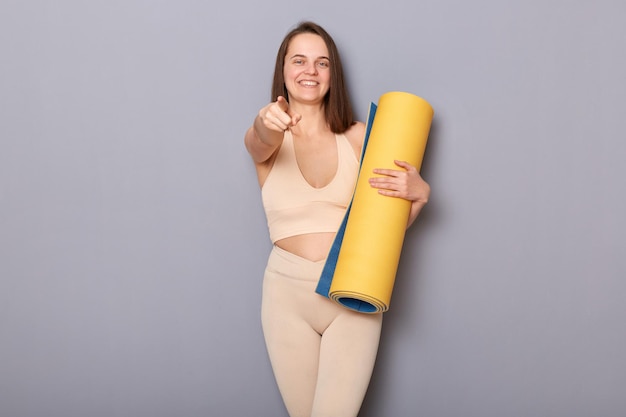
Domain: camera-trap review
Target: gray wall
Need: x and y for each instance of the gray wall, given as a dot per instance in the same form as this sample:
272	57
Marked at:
132	238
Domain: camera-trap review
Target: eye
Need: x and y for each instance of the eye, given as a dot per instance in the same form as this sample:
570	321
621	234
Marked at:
324	64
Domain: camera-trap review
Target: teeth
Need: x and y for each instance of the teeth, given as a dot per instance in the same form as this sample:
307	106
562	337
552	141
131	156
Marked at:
311	83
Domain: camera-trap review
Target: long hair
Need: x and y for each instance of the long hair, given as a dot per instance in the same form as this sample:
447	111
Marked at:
337	105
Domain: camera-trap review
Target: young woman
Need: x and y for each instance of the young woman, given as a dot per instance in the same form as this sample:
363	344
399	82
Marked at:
305	146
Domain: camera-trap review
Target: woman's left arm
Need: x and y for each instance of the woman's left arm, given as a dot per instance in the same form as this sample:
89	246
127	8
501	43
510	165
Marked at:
404	183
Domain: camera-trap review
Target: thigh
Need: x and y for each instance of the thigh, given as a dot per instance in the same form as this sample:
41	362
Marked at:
292	344
347	356
293	349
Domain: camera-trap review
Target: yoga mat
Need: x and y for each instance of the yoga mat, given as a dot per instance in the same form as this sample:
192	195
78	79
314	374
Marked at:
361	267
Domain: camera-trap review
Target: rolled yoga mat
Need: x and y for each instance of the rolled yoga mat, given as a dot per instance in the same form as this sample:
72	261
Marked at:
361	267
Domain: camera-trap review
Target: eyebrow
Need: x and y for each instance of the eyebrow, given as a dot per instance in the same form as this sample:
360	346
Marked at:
303	56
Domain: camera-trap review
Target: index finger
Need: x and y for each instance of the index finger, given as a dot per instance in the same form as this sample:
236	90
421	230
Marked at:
283	104
387	172
404	164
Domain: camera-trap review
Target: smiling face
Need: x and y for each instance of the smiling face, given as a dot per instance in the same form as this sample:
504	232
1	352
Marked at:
307	69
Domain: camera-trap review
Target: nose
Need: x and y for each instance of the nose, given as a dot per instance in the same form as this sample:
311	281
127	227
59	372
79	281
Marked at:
311	68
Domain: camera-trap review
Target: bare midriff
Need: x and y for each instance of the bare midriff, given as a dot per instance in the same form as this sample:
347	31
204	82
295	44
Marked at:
311	246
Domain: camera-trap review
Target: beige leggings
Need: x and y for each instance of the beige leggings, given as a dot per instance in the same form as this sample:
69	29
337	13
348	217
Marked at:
322	354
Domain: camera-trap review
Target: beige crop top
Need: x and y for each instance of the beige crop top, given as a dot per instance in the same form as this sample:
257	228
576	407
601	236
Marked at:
294	207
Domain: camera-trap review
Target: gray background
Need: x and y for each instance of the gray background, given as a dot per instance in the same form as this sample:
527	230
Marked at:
132	238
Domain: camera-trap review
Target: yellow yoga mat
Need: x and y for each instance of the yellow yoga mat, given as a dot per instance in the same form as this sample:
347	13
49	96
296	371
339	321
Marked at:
361	268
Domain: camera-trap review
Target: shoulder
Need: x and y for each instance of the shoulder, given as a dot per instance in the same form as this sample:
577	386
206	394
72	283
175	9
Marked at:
355	135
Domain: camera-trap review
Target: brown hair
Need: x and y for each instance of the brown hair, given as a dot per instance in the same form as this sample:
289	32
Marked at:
337	105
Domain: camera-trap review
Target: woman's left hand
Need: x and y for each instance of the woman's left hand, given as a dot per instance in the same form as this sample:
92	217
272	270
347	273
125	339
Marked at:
406	183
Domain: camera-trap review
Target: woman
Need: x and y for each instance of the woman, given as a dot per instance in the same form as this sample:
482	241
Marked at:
305	146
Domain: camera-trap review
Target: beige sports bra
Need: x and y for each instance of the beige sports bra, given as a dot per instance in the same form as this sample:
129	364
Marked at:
293	206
